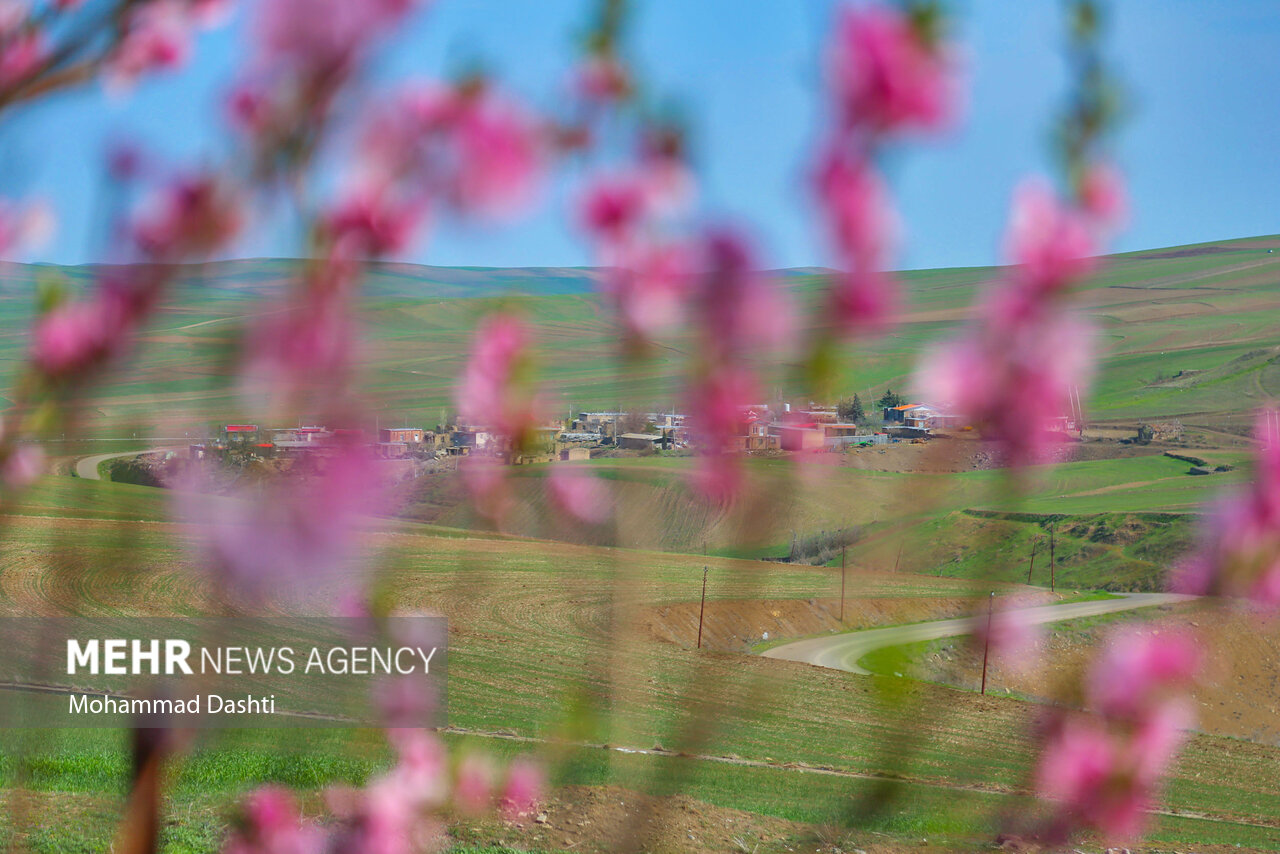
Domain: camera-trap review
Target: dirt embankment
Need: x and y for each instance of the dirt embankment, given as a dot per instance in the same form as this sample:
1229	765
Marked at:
1238	695
735	625
966	451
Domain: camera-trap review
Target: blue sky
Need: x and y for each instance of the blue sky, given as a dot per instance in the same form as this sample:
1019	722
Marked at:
1200	147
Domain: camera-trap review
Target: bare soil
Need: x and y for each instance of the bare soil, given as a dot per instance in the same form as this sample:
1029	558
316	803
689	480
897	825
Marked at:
1238	695
736	625
611	819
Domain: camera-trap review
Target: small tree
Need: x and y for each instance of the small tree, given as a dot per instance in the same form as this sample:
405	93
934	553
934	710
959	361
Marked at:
1145	434
890	400
635	421
850	410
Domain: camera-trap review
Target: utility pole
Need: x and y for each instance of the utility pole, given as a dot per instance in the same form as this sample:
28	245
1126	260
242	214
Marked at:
1035	541
843	550
899	558
703	607
986	640
1052	564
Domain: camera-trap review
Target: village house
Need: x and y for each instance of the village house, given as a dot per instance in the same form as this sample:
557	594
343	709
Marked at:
898	414
928	418
467	441
391	450
838	433
639	441
753	431
239	434
406	435
800	436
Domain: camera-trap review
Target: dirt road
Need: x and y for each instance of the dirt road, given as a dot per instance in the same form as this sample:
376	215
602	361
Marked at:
843	651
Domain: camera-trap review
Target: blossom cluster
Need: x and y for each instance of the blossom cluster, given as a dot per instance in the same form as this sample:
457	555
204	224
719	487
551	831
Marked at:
1239	548
628	214
150	36
399	812
888	75
187	218
1024	358
1101	769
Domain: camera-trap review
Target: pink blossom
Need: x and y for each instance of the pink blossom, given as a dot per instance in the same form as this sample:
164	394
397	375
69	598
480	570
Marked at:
293	539
190	217
271	824
650	286
392	814
857	209
249	107
74	336
614	207
1102	195
1105	775
864	300
369	223
404	701
157	37
125	162
715	412
486	480
1013	638
523	790
23	466
21	56
494	389
602	79
884	75
24	226
738	308
1024	359
664	177
1075	763
320	38
498	156
1050	241
1138	668
1238	553
420	768
580	495
1013	375
13	15
739	314
1103	769
1160	734
211	13
473	790
301	350
1088	772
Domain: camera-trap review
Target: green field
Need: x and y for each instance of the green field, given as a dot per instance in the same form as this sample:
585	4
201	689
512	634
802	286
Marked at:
551	638
525	650
1204	310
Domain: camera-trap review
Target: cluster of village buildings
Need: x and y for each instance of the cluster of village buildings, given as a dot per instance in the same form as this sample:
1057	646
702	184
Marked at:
760	428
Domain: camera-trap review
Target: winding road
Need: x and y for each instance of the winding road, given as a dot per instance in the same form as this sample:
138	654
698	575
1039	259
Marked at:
87	467
844	651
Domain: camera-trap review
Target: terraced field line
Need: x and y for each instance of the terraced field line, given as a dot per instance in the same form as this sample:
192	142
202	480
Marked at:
844	651
87	467
793	767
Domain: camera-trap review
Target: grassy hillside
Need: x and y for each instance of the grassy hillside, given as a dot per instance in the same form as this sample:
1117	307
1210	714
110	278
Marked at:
528	643
663	513
535	613
1185	331
1105	551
